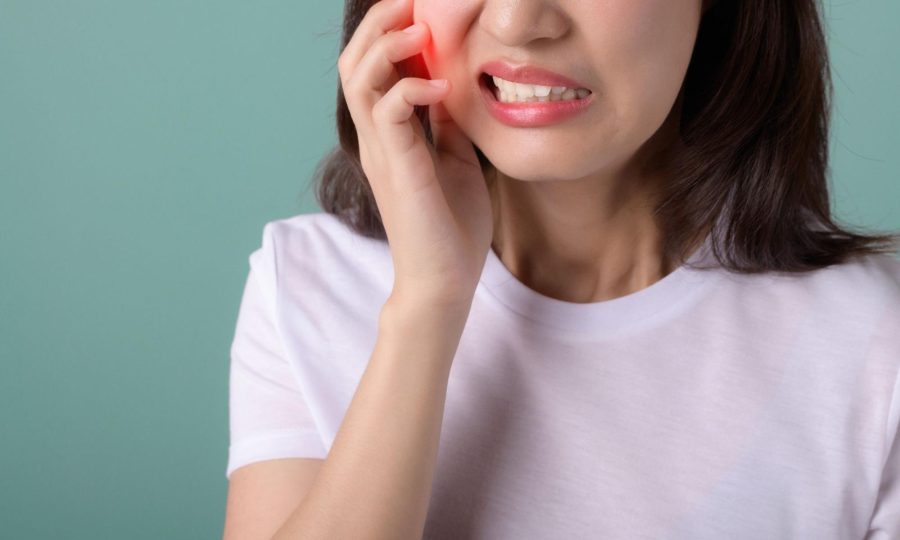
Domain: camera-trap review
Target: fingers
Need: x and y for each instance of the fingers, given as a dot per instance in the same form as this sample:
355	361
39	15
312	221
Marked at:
380	101
377	70
391	114
382	17
448	137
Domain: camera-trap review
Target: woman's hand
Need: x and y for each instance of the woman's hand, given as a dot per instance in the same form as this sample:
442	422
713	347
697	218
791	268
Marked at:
433	201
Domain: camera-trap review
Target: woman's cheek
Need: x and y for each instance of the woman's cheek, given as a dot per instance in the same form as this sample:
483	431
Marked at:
428	63
448	22
643	57
437	52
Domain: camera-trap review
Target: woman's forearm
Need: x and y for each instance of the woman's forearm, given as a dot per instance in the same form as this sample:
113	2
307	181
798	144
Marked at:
376	481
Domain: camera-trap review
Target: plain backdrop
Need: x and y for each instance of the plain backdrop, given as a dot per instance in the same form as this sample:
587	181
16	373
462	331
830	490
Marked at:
143	145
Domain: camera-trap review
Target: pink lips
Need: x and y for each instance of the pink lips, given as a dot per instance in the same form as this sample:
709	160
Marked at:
530	114
528	74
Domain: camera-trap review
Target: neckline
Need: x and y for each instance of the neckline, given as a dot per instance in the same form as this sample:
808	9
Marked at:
644	307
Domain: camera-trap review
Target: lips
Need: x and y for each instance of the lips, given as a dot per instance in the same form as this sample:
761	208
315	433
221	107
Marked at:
527	74
532	114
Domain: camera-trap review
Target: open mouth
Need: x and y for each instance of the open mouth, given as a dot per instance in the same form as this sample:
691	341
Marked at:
513	93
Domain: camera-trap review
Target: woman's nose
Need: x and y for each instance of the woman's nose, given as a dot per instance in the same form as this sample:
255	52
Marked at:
516	23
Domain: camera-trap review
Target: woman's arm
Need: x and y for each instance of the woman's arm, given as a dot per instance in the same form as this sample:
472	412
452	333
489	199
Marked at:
376	481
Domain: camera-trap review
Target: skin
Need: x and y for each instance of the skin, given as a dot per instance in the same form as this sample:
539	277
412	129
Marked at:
576	224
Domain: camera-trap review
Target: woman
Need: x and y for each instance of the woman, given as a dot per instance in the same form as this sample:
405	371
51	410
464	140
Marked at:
612	220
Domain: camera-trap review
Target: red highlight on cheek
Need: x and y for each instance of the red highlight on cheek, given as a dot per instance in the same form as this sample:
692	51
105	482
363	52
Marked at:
435	59
414	66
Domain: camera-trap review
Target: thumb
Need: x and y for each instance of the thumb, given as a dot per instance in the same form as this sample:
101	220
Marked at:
448	137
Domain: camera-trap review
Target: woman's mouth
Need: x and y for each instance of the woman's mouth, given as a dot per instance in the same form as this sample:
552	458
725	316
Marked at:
512	92
531	105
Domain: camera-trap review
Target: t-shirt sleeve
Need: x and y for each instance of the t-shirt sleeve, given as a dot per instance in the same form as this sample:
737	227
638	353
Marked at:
885	521
268	416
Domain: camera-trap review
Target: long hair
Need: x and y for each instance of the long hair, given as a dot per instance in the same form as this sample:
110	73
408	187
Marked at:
754	168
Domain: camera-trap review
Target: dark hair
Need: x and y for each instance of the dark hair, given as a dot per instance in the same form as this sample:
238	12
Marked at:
753	171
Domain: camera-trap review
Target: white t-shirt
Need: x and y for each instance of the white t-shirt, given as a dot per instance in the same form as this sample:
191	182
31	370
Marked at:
707	406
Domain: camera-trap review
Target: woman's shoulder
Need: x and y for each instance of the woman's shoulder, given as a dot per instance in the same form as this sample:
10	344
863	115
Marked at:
318	249
318	236
841	299
315	228
874	276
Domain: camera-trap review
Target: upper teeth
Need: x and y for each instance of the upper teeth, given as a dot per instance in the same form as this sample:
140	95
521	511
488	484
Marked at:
512	91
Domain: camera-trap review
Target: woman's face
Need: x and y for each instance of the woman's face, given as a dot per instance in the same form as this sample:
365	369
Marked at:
631	54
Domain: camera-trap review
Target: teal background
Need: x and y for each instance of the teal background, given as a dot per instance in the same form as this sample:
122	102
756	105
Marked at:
143	145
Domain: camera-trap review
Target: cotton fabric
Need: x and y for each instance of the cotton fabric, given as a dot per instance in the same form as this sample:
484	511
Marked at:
708	405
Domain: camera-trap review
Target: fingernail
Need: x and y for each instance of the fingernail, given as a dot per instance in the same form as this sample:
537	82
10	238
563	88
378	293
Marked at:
413	29
438	82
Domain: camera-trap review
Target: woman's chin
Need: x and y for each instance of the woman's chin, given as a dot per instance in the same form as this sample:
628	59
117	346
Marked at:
534	167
